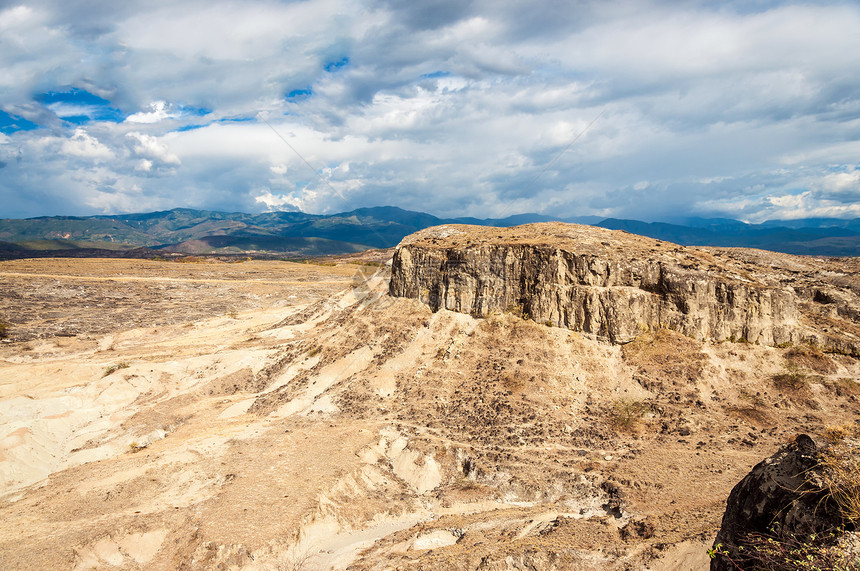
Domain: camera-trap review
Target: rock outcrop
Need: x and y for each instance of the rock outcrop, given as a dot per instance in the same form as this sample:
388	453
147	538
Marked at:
784	498
608	283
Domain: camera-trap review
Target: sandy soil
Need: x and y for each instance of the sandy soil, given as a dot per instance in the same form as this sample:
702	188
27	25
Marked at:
267	415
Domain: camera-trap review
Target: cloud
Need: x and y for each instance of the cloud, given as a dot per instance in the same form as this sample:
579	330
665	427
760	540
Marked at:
457	108
151	148
82	145
158	111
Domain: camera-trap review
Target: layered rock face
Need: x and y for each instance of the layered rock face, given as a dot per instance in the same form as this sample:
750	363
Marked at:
608	283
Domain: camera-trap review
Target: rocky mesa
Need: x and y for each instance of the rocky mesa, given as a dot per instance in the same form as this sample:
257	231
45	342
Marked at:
616	285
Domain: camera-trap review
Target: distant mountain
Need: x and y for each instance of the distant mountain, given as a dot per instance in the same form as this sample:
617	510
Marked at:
297	234
814	240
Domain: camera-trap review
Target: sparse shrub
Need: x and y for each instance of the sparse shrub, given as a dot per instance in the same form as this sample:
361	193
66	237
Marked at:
751	407
136	446
518	310
4	329
791	552
296	559
466	484
114	368
232	313
512	381
625	414
792	379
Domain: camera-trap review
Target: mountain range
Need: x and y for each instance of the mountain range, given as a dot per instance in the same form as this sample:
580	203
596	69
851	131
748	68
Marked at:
298	234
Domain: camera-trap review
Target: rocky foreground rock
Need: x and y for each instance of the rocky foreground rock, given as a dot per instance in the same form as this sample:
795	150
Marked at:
615	285
784	511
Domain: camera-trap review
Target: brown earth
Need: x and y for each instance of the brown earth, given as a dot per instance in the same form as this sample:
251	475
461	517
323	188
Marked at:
200	417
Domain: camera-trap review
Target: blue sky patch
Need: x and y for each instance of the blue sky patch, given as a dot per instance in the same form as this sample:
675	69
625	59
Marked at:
79	106
435	74
196	111
236	119
10	123
335	65
299	94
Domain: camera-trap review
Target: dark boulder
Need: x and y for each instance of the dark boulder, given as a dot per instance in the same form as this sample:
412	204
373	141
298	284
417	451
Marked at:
782	496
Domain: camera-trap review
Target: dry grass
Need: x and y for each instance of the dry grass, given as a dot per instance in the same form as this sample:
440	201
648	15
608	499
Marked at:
811	358
750	407
665	356
841	463
843	386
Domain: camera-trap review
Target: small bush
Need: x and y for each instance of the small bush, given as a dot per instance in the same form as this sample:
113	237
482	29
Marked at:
625	414
517	310
810	357
4	329
843	386
792	379
114	368
136	446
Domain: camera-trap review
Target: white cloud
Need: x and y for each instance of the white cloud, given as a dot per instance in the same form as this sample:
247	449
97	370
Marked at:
150	147
83	145
274	202
159	110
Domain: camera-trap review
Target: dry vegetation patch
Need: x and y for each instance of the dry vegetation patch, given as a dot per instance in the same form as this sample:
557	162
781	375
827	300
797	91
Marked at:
811	358
665	359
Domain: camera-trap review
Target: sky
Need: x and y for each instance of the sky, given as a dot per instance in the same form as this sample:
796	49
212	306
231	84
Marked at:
644	109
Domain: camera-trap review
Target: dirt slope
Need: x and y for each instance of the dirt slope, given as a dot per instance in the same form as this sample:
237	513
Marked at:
353	429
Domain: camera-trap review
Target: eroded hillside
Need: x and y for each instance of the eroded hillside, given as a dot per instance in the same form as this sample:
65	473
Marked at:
360	430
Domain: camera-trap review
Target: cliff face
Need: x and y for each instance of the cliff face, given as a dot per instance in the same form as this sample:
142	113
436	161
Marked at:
607	283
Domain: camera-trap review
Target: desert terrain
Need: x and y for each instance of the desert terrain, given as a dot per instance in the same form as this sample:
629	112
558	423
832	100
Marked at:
272	415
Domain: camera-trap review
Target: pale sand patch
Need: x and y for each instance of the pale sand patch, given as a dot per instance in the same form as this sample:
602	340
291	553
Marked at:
435	539
142	547
684	556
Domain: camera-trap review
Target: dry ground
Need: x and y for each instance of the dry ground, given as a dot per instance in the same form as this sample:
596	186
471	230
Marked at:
247	416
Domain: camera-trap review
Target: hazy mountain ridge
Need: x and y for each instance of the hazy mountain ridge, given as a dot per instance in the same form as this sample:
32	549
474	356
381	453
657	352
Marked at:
184	230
